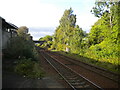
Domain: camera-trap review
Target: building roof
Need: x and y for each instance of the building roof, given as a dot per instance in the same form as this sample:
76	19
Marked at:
12	25
7	24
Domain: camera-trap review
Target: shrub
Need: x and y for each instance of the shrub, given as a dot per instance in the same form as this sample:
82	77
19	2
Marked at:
21	45
29	68
18	47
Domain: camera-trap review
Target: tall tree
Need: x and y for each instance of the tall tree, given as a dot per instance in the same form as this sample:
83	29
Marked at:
103	7
76	40
67	22
68	36
104	34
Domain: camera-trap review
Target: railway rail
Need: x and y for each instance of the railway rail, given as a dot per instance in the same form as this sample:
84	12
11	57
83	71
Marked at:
74	79
101	71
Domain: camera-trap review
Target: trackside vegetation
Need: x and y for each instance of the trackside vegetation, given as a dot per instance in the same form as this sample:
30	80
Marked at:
23	55
29	68
101	45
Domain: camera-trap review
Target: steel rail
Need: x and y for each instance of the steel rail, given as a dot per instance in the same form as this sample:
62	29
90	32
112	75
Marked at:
91	83
59	73
96	67
76	73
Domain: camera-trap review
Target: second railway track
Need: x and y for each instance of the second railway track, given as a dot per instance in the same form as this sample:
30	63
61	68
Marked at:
101	77
101	71
74	79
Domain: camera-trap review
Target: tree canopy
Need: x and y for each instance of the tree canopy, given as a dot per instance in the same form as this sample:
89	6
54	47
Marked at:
101	43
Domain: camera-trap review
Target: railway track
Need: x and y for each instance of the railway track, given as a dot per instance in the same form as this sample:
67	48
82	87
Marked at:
101	71
74	79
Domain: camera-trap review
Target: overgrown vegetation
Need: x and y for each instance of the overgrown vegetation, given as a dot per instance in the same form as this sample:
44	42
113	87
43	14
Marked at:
48	42
101	43
22	50
29	68
21	45
106	65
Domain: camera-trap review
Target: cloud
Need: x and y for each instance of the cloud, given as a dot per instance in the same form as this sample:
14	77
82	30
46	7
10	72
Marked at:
41	13
45	13
30	13
40	32
86	22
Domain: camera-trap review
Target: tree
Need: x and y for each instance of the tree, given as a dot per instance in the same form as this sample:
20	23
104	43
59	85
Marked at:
103	36
99	31
23	33
48	41
104	7
21	46
68	19
64	30
67	23
76	40
22	30
68	36
101	7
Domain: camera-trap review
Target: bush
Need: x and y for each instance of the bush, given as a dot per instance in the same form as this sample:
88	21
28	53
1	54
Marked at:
29	68
18	47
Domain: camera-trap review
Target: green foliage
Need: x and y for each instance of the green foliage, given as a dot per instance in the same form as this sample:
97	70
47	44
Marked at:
46	38
21	46
29	68
103	64
24	67
105	51
101	44
48	41
68	19
76	40
68	34
23	49
104	39
101	7
99	31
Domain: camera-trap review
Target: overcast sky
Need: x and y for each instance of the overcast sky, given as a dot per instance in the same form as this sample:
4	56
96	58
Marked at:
42	16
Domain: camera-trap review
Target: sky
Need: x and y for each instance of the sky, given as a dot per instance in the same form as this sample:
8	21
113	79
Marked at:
42	16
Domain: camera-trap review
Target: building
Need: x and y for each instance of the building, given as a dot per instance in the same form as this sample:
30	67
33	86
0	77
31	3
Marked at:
8	31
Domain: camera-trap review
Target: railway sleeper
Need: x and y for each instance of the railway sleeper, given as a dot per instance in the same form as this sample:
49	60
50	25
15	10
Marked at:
87	86
76	78
69	75
77	84
75	81
70	64
71	78
82	83
78	87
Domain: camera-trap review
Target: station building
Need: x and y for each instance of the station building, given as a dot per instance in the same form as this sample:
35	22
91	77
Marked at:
7	31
